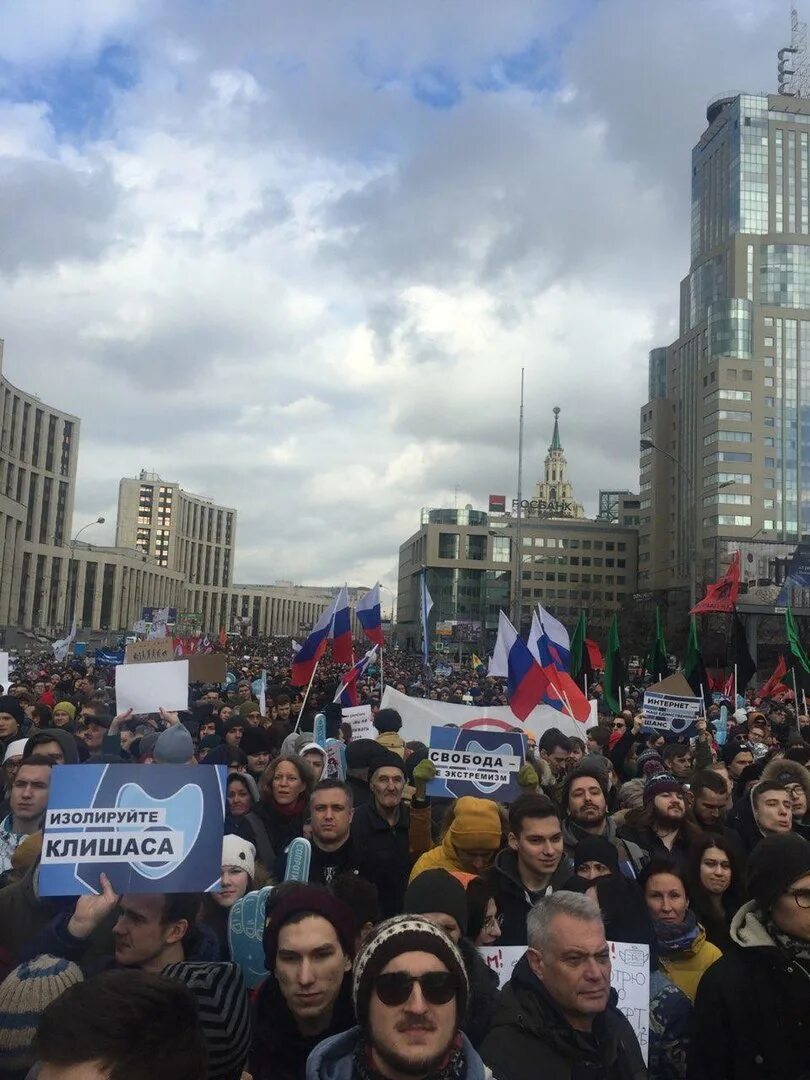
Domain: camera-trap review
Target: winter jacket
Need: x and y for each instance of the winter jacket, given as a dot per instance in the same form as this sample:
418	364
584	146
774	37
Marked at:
798	775
685	968
484	993
650	842
251	828
281	829
513	899
632	859
531	1040
383	854
279	1051
742	819
324	866
392	741
333	1059
70	749
752	1012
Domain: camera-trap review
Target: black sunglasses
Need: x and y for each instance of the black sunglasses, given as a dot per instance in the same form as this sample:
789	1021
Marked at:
395	987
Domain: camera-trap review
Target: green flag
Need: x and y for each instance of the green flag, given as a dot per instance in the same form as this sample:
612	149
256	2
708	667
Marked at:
693	667
614	668
657	662
795	644
577	646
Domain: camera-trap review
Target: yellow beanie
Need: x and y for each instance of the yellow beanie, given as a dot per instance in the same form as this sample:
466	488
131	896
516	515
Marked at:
476	826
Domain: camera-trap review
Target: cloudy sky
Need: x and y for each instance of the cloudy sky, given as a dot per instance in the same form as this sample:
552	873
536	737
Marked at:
294	255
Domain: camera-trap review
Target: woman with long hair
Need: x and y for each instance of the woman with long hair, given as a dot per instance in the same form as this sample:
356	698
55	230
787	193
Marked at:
285	787
714	879
683	949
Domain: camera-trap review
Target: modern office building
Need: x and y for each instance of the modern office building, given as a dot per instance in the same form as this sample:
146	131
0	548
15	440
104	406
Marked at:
172	549
725	435
566	562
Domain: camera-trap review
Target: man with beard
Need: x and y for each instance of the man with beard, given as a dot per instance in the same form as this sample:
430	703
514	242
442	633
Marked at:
661	826
584	801
410	992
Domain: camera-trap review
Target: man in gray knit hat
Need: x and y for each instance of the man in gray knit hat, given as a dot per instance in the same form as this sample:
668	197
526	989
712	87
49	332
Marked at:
410	993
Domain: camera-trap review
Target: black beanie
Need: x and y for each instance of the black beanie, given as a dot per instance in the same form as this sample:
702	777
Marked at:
385	759
401	934
774	864
437	890
359	753
596	849
387	720
254	741
12	706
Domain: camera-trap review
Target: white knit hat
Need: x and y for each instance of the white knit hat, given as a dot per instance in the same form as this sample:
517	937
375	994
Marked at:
240	853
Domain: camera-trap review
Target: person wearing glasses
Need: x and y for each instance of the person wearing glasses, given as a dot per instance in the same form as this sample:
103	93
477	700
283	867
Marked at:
557	1016
440	897
752	1010
410	993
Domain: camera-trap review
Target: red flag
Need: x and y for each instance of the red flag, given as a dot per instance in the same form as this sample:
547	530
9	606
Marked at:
774	687
722	596
223	637
595	655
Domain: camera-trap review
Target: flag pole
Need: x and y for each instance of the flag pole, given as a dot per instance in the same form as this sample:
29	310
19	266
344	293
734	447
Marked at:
306	695
796	700
735	687
382	676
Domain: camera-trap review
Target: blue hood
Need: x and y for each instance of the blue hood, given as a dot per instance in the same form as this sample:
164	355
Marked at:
333	1059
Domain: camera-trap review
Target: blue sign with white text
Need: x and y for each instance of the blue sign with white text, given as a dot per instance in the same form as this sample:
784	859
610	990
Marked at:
149	828
474	762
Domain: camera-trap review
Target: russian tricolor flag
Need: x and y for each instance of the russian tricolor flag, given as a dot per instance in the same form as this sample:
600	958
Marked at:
308	655
367	610
341	630
563	693
347	691
526	680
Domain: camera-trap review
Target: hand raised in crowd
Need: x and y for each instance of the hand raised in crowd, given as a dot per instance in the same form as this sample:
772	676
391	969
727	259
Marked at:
169	718
90	911
527	778
119	720
423	772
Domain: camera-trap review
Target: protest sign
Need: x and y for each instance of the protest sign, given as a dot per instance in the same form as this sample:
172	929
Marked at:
630	978
473	762
206	667
151	651
108	657
358	717
502	959
419	715
150	829
667	712
147	688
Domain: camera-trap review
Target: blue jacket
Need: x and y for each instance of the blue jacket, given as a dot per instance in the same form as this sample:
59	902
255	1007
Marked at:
333	1059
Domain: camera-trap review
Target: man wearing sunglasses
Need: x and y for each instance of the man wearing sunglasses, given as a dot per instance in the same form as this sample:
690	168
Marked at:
410	994
753	1004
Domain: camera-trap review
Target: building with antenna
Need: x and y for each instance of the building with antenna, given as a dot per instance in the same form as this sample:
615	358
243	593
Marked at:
562	559
725	434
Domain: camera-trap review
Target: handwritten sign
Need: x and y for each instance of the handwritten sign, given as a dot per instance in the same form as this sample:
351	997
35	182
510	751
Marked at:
359	719
502	959
152	651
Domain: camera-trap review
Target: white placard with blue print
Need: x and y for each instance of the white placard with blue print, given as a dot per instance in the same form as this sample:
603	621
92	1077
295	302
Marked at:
149	828
473	762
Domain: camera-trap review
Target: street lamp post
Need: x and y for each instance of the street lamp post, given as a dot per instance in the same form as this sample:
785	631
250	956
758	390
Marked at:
70	593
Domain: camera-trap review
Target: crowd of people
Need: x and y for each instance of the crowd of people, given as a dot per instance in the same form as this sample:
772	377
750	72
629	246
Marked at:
696	848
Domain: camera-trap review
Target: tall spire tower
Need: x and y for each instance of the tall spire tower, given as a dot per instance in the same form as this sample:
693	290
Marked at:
554	493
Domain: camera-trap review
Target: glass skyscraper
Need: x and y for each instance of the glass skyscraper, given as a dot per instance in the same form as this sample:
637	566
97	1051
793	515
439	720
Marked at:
725	460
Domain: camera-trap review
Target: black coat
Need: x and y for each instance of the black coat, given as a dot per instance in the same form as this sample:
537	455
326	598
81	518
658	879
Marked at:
513	899
484	993
531	1040
752	1011
281	829
383	854
279	1051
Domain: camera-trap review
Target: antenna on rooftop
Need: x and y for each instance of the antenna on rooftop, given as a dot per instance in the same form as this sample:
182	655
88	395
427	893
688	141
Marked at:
792	68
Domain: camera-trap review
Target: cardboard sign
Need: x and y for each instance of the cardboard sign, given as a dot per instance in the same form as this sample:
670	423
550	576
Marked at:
149	828
152	651
474	762
358	717
629	976
147	688
668	712
207	667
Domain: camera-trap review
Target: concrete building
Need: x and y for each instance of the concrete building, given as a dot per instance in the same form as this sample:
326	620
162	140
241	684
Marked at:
173	549
725	439
566	562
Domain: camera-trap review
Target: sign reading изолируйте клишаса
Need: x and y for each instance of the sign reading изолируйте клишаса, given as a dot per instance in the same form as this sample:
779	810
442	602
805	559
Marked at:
148	828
